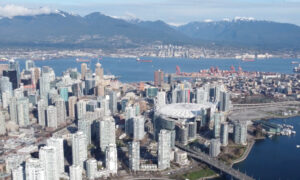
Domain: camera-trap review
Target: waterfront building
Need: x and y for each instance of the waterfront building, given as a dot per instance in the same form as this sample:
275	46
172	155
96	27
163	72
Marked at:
2	124
42	107
23	111
138	127
91	168
34	169
224	134
79	148
81	109
71	104
52	117
214	148
107	132
111	158
158	78
58	143
75	172
164	149
134	155
240	132
48	158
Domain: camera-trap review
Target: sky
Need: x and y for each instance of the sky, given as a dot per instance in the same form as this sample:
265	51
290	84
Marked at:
174	12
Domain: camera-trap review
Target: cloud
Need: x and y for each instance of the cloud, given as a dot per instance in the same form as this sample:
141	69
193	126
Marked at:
14	10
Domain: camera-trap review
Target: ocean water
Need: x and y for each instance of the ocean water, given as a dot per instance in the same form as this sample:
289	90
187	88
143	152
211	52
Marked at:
129	70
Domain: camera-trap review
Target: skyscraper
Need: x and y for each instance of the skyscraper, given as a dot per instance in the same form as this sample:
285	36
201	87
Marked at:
91	168
83	70
52	117
23	111
61	110
202	96
2	124
75	172
79	148
72	102
85	126
224	134
164	149
240	132
42	106
134	155
58	143
158	78
161	98
48	158
214	148
13	111
64	93
107	132
29	64
34	169
18	173
99	71
81	109
113	102
44	86
224	101
111	158
217	121
129	115
138	127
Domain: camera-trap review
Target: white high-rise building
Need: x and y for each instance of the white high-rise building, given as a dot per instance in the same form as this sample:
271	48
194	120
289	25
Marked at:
202	96
18	173
224	134
61	110
240	132
107	132
164	149
44	85
52	117
6	96
91	168
138	127
214	149
34	169
111	159
42	106
23	111
2	124
81	109
58	143
13	112
161	99
134	155
48	158
75	172
85	126
79	148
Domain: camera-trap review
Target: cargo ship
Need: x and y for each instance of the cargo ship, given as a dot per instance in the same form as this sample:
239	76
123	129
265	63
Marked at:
82	60
142	60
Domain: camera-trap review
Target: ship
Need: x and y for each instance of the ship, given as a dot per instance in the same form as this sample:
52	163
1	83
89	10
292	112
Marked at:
248	59
142	60
3	59
82	60
295	62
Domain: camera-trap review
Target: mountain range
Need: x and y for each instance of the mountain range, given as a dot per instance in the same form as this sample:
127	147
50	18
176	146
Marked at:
96	30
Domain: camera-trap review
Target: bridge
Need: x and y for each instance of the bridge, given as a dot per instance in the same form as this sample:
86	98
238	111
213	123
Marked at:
233	173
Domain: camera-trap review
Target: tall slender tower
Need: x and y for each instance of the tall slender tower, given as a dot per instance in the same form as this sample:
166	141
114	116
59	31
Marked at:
83	70
164	149
42	106
79	148
111	158
107	132
134	155
52	117
34	169
48	158
58	143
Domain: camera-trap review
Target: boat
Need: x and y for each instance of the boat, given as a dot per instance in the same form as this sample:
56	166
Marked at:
3	59
297	69
295	62
142	60
297	146
248	59
82	60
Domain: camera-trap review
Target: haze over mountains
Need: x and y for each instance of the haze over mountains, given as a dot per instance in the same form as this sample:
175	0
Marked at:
61	29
